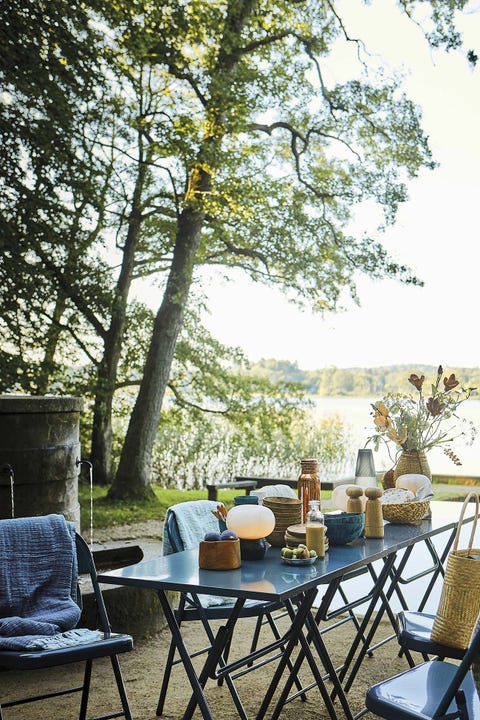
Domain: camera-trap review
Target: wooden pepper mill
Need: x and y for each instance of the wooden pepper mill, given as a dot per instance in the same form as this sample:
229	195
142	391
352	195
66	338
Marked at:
373	513
354	503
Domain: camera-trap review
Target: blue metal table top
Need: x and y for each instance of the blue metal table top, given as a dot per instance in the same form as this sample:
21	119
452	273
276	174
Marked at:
271	579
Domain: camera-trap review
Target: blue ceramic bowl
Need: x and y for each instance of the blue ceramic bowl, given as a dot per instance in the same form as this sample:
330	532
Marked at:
344	527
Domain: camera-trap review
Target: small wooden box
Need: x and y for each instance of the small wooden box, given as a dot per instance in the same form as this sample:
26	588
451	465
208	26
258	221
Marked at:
219	555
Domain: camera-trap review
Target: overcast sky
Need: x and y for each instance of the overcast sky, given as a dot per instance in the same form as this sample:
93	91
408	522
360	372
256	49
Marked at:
436	233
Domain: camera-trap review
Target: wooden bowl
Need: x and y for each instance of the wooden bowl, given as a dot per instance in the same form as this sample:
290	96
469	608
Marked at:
219	554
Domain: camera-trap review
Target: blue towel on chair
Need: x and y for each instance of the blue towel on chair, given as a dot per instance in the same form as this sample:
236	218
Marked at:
194	519
38	579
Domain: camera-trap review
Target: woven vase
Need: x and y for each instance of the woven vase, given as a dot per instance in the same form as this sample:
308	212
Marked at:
412	461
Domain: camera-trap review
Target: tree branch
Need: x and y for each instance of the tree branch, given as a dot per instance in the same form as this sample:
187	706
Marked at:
187	403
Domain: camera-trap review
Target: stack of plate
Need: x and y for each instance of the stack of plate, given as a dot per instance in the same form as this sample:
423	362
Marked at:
287	511
296	535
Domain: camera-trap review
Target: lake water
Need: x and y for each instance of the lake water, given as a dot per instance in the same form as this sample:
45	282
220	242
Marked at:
355	412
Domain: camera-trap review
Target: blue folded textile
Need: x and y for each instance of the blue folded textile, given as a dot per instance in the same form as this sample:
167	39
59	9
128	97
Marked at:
194	519
38	579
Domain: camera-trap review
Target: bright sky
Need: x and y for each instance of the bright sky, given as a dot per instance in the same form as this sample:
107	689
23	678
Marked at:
436	233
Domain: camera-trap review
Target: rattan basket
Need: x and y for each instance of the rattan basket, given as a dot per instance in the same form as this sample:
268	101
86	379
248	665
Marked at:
407	513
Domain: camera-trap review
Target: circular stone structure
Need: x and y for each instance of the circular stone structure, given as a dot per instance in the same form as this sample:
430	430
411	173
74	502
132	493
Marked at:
39	441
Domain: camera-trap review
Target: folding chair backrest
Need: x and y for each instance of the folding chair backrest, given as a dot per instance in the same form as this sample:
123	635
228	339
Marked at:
86	566
171	528
186	524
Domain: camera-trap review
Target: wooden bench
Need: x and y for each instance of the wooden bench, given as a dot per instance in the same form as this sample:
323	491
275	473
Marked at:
252	483
263	481
237	484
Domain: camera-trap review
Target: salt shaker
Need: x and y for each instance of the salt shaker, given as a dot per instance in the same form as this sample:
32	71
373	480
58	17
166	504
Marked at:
373	513
354	502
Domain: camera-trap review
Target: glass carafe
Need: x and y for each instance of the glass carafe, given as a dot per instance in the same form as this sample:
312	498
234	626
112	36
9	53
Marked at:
308	485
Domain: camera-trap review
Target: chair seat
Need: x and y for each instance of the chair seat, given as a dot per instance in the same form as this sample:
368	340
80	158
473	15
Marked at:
414	633
416	693
252	608
34	659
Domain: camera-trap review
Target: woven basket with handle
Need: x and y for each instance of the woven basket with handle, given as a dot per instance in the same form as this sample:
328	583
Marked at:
460	599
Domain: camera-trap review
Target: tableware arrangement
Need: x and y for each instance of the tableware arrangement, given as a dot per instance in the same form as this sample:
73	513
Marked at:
297	535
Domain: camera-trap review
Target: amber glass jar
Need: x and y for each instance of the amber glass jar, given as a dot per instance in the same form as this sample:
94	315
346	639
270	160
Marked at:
308	485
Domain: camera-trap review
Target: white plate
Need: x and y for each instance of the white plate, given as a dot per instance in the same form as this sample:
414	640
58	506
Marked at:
299	561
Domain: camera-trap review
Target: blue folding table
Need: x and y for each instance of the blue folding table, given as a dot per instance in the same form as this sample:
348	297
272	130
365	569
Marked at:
297	587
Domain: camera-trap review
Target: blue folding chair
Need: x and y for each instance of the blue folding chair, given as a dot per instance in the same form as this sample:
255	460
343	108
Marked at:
190	608
108	645
414	634
431	691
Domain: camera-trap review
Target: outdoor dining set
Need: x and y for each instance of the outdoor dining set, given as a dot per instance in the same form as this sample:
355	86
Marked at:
295	599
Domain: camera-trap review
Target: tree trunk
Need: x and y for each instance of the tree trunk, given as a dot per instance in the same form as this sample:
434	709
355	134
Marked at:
133	478
51	343
133	475
101	439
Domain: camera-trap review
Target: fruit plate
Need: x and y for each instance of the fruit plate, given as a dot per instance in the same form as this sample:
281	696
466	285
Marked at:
299	561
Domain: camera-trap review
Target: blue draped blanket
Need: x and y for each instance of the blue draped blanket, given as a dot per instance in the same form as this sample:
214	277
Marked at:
38	580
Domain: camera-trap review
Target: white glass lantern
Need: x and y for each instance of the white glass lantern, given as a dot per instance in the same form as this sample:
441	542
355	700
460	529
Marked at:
251	522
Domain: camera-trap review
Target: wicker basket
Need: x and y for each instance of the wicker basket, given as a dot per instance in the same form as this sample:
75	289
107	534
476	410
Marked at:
460	599
407	513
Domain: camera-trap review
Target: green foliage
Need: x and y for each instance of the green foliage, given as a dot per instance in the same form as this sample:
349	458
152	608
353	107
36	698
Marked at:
353	382
120	119
189	455
108	513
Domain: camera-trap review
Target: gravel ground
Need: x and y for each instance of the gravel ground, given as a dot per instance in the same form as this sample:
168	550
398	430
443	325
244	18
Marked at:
142	670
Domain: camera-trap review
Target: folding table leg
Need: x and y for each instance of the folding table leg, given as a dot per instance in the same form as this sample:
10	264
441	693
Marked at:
184	654
386	570
214	658
300	619
169	661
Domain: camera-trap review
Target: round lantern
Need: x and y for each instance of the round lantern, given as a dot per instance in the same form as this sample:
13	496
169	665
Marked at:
251	522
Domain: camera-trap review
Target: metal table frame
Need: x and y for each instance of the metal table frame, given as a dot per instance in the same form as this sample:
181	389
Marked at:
297	587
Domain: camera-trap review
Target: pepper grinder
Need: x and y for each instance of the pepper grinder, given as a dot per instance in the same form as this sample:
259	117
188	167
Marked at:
373	513
354	502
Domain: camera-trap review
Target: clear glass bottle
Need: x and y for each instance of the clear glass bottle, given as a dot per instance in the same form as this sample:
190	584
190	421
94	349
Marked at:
315	528
308	485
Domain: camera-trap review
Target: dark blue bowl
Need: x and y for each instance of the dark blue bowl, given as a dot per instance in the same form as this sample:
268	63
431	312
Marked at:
344	527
